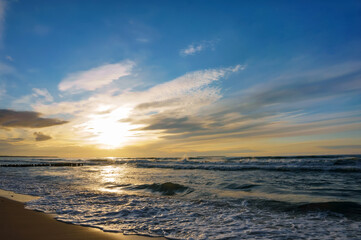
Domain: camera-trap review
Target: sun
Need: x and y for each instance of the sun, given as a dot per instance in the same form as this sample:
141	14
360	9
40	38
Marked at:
108	131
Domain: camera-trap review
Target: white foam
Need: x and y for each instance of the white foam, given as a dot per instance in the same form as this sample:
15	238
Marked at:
181	219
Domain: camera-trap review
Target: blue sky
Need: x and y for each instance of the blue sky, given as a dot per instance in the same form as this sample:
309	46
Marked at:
175	77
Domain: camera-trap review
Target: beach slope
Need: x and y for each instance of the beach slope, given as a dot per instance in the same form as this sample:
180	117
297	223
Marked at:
18	223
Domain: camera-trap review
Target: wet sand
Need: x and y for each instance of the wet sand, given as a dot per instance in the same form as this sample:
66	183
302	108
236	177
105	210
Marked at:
18	223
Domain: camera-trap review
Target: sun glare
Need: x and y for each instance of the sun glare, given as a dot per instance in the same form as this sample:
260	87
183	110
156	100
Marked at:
108	132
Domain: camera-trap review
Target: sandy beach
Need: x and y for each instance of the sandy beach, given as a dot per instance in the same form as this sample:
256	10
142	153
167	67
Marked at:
18	223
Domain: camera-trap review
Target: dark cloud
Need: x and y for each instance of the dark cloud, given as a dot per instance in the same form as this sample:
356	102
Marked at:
158	104
197	126
307	89
227	131
41	137
304	89
255	112
172	124
28	119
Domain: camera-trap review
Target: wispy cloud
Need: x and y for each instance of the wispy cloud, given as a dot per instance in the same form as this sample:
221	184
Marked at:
38	96
43	93
192	82
105	116
189	88
195	48
193	107
96	77
180	97
265	111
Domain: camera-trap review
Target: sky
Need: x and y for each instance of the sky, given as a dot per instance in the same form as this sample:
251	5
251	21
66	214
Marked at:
168	78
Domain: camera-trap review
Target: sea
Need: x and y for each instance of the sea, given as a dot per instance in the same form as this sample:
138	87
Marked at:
206	197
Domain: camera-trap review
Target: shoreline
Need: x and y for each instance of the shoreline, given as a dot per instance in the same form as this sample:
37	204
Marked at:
18	223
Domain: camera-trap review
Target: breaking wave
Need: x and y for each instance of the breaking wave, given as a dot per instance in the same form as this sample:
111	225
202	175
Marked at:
320	164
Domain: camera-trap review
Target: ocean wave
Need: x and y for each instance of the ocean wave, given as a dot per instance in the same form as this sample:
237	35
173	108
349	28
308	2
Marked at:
247	167
314	163
245	187
340	209
348	209
166	189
